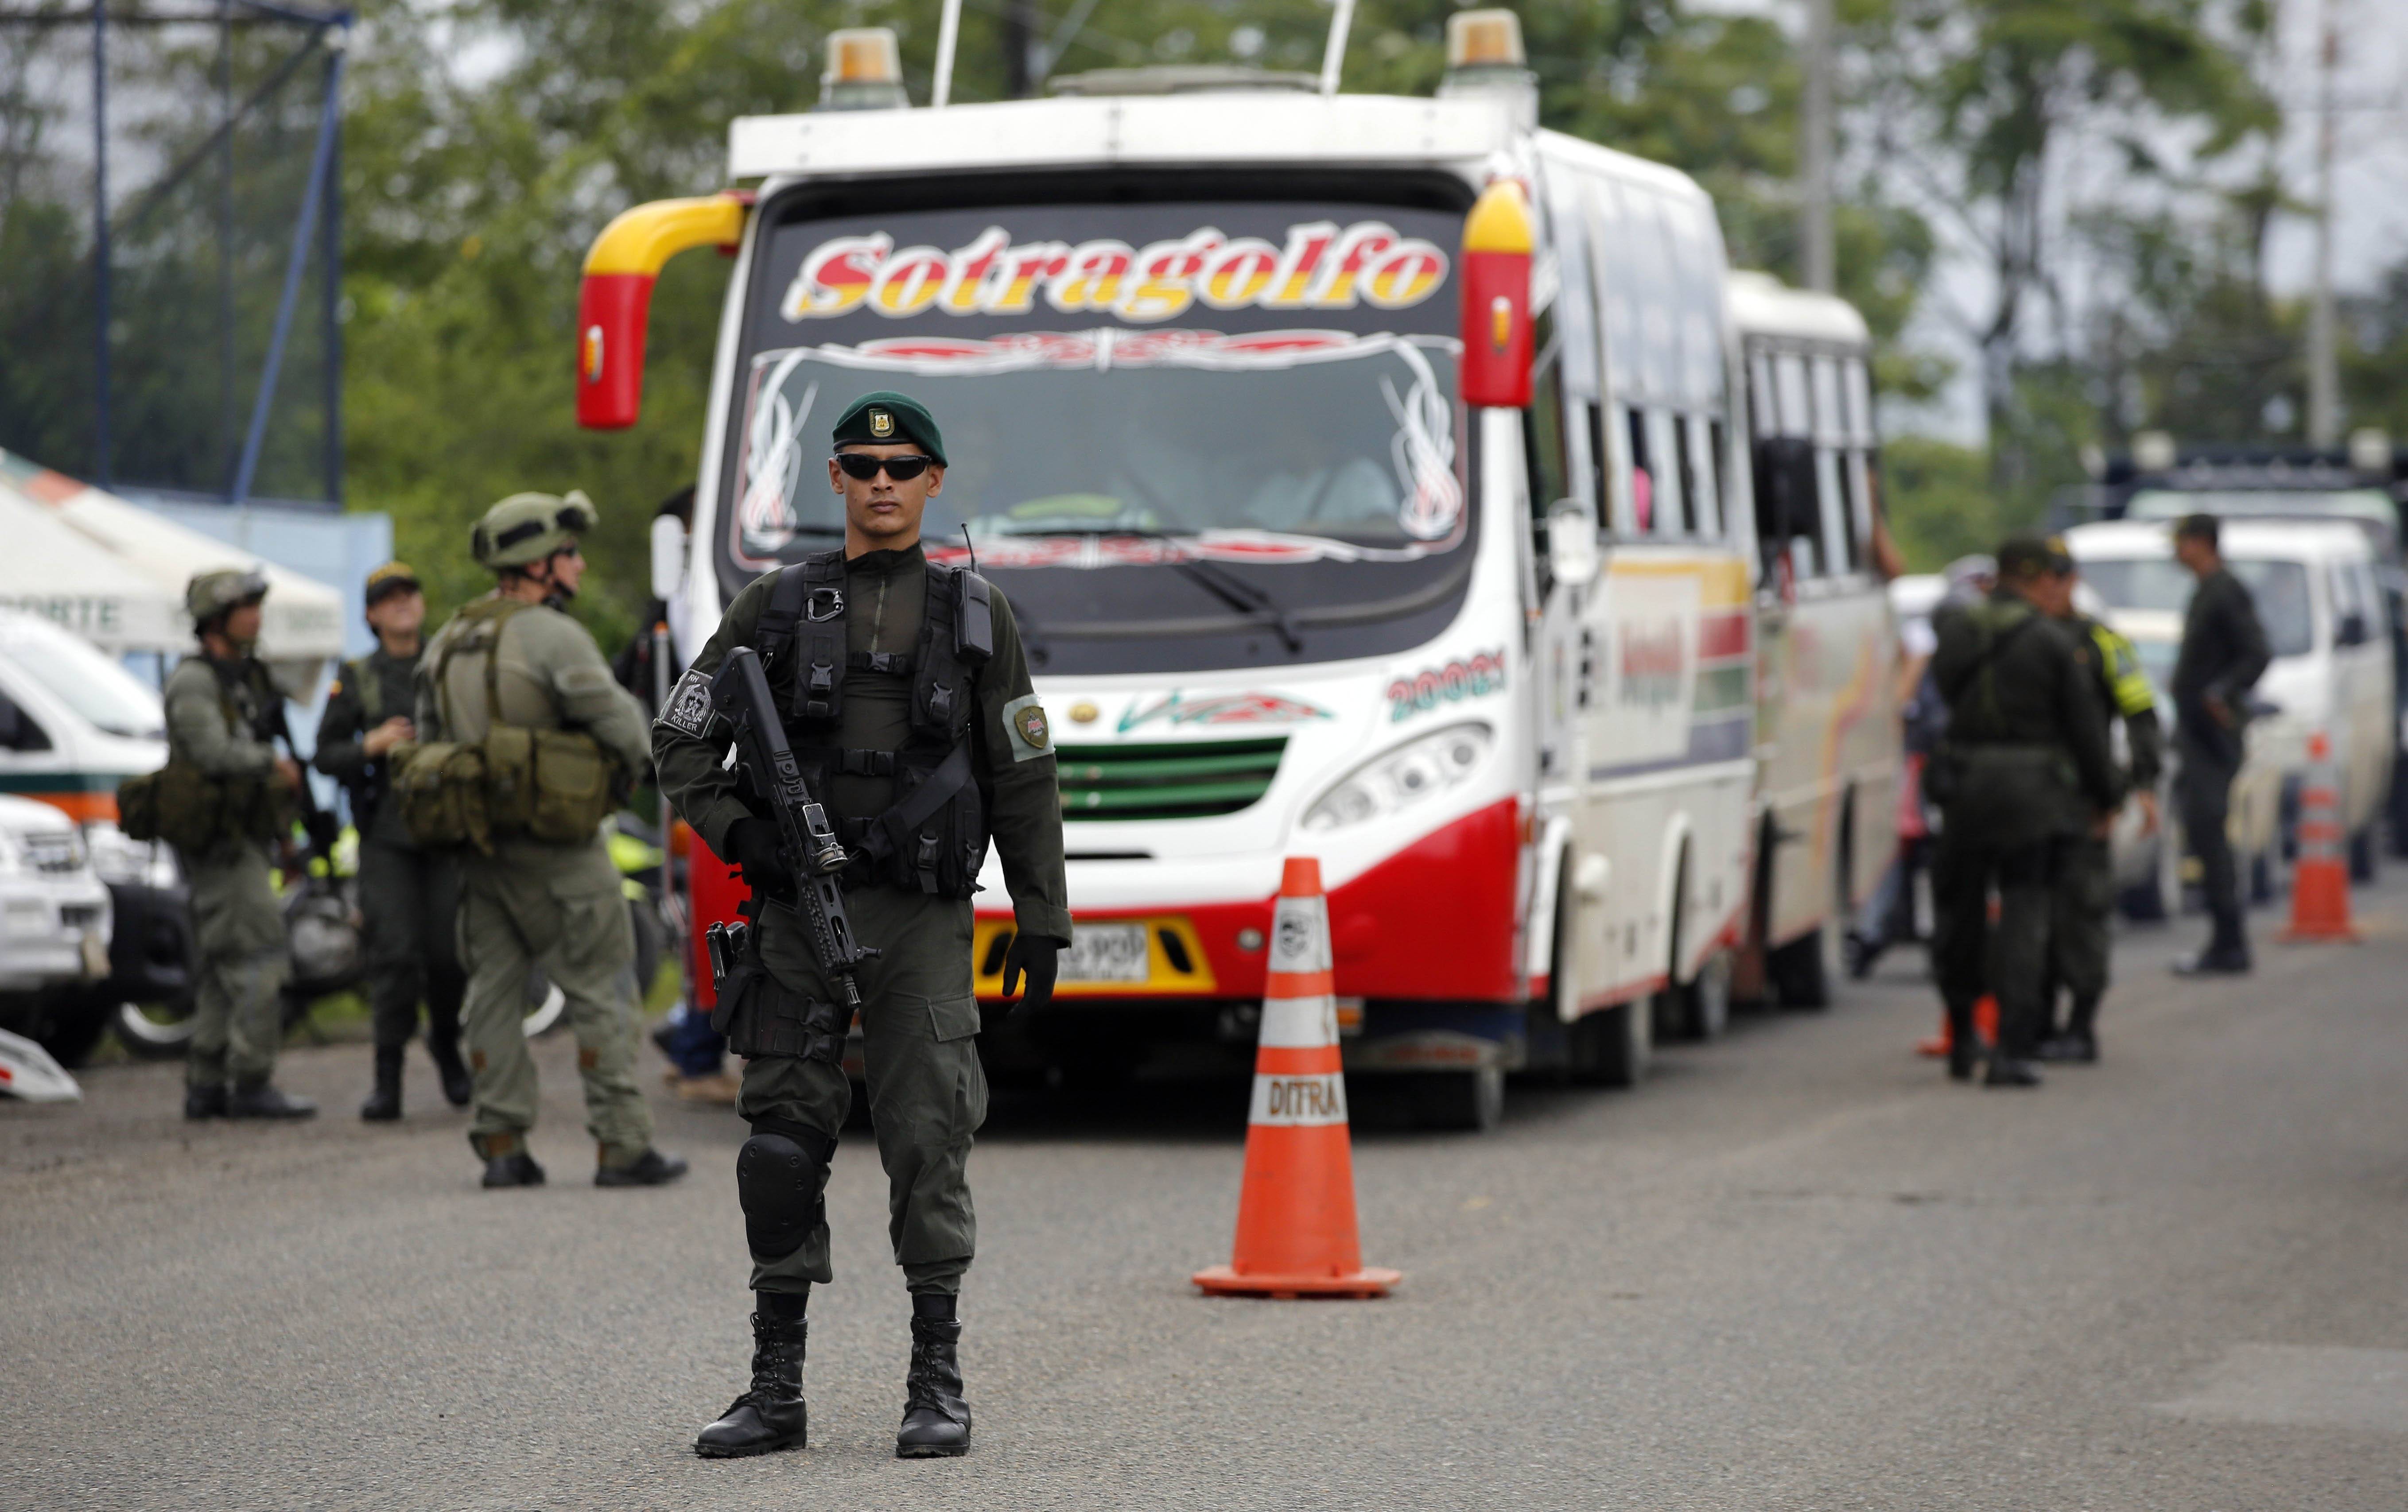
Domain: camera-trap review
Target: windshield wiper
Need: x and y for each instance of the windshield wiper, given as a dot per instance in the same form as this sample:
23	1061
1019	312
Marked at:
1213	579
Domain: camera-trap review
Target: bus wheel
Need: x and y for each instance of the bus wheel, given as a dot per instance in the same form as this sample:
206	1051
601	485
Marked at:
1704	1003
1611	1046
1802	969
1459	1102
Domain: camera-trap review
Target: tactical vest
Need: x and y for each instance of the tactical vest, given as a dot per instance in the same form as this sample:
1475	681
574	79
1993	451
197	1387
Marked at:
933	839
556	786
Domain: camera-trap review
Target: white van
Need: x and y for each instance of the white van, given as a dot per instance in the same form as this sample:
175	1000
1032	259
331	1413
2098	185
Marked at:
2323	612
74	723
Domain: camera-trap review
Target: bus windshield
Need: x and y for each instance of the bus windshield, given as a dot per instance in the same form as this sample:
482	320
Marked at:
1295	441
1164	461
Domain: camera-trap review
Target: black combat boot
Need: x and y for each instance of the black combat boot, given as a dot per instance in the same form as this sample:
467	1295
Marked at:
266	1099
516	1169
205	1100
444	1050
2227	954
769	1416
2079	1044
936	1419
1964	1043
650	1169
2010	1071
385	1103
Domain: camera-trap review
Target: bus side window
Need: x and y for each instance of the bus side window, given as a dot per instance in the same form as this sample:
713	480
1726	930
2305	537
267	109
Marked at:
1674	513
1642	472
1716	440
1600	463
1696	476
1542	431
1788	517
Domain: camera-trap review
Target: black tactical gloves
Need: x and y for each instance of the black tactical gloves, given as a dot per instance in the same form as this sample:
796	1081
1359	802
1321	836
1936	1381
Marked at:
1034	954
752	845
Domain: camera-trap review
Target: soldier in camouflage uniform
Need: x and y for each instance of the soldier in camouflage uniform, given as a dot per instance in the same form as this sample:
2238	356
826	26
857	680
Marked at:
218	704
410	894
2079	926
905	693
514	659
2025	770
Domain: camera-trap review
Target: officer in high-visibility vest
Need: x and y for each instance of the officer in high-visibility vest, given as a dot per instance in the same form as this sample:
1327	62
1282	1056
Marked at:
2085	873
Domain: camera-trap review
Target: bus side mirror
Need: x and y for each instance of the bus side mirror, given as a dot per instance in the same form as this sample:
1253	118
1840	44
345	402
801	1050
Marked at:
668	556
1571	546
2352	629
1496	318
615	298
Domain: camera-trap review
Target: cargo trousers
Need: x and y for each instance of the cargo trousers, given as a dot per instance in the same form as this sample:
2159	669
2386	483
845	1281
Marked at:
557	909
409	900
927	1091
245	960
2079	928
1967	958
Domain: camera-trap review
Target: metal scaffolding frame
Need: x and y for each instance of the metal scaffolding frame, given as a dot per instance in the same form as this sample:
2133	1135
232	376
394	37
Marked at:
325	35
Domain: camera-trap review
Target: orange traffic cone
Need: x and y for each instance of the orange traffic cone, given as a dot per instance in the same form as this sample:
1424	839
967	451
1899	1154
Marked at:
2320	880
1296	1210
1986	1025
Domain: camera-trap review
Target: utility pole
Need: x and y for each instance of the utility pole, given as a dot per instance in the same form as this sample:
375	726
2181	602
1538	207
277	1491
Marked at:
2323	362
1818	259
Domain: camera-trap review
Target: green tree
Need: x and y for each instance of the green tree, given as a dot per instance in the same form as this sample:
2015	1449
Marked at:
2008	91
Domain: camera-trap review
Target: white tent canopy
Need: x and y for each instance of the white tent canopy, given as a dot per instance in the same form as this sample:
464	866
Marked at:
115	574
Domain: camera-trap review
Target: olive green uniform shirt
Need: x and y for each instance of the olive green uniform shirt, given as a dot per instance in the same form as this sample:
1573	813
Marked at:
375	687
886	595
2025	721
195	698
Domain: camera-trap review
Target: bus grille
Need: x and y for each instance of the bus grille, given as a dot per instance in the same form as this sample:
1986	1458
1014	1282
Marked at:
1193	779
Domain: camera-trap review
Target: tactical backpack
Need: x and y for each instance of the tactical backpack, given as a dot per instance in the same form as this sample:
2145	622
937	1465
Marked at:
933	839
195	812
556	786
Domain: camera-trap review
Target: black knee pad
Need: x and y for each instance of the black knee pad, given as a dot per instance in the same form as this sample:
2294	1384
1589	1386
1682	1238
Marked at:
782	1189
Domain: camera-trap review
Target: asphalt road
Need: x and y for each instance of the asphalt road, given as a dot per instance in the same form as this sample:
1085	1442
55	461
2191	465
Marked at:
1796	1270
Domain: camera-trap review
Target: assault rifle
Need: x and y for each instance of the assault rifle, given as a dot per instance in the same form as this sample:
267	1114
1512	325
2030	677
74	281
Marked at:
740	697
316	822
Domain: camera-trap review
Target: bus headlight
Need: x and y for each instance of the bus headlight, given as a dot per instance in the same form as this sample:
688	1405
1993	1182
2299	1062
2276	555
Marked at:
1411	774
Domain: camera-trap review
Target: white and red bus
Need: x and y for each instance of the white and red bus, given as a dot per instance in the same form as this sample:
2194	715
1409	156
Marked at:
1371	478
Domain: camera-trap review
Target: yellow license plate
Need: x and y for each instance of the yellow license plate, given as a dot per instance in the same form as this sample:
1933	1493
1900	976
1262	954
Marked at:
1148	957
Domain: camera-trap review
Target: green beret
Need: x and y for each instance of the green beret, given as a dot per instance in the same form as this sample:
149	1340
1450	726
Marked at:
886	416
2020	556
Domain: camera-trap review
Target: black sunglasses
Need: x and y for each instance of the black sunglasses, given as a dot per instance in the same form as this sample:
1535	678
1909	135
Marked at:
861	466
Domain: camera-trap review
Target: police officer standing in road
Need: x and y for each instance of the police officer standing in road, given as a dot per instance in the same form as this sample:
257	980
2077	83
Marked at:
410	894
905	691
219	705
2085	880
2025	768
514	665
2223	655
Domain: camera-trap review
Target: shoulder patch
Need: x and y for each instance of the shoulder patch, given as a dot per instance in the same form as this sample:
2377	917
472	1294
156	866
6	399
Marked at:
687	709
1025	725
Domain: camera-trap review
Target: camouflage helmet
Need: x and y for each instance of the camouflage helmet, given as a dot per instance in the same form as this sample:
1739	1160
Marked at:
525	528
211	594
